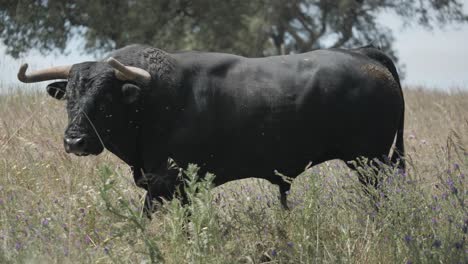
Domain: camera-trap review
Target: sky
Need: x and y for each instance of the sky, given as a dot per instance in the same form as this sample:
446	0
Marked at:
436	59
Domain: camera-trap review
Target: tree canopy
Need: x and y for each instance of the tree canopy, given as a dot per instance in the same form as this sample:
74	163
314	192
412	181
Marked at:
250	28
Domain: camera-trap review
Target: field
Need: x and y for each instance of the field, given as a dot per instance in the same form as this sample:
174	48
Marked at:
58	208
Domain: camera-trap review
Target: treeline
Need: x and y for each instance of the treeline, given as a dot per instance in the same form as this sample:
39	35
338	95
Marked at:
251	28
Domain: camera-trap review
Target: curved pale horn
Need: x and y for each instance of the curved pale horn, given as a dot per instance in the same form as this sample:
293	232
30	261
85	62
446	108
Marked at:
131	73
60	72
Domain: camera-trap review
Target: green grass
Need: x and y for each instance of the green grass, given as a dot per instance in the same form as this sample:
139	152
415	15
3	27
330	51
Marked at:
57	208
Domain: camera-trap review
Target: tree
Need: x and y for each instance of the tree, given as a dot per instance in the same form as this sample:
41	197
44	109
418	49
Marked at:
251	28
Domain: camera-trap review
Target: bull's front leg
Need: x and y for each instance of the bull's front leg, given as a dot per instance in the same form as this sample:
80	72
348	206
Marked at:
159	184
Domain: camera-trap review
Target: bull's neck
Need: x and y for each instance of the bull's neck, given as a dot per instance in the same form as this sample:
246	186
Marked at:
160	108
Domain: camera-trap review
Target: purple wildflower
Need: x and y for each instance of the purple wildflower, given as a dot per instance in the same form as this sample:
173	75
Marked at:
434	220
87	239
106	250
18	246
274	253
451	185
408	238
402	173
456	166
409	262
45	222
454	190
459	245
290	244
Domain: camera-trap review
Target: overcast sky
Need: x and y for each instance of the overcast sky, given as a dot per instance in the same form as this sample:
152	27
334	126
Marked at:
436	59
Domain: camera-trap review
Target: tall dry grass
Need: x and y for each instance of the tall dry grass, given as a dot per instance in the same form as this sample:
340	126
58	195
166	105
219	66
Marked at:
58	208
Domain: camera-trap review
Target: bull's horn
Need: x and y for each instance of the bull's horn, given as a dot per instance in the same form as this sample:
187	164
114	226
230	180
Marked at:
60	72
131	73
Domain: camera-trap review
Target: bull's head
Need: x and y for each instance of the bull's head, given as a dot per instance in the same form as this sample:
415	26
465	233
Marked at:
100	97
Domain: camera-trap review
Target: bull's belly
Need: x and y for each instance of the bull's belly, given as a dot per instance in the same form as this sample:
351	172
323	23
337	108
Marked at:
247	156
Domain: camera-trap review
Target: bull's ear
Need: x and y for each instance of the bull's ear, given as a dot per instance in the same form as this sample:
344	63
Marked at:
57	90
130	92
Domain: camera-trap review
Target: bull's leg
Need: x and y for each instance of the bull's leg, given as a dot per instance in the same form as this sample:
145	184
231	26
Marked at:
148	207
284	188
153	198
369	178
159	187
367	172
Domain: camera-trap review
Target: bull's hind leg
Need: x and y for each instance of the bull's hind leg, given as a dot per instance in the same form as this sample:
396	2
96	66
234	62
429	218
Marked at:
368	175
148	208
367	171
368	155
284	188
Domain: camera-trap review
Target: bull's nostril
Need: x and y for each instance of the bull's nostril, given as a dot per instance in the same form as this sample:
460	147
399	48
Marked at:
75	144
79	142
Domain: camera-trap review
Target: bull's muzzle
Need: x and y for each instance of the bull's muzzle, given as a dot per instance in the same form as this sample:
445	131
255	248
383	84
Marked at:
76	145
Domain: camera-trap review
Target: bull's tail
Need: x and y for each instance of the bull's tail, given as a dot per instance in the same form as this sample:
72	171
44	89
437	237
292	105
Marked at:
399	151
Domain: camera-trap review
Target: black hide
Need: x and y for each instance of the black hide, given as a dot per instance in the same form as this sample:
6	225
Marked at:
237	117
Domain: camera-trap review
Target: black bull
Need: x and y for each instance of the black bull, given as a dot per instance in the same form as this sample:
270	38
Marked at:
235	117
